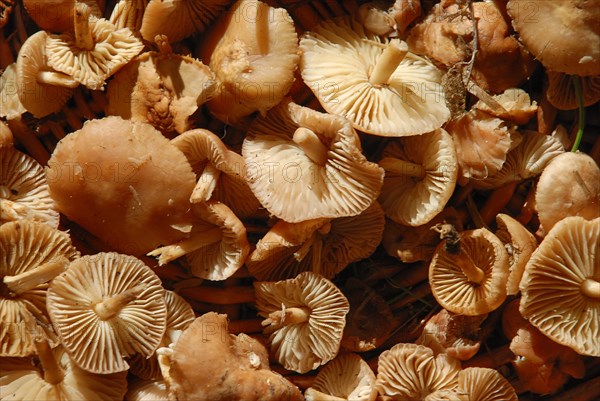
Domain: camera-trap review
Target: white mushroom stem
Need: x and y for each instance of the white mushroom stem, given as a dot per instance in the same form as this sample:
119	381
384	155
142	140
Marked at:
56	79
388	61
32	278
591	288
311	145
403	167
197	241
112	305
261	22
207	182
287	316
53	374
469	268
83	32
315	395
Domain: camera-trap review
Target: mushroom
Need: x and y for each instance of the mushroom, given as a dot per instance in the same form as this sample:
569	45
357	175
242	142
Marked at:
516	106
303	164
483	384
253	51
304	318
208	363
94	52
377	84
220	172
468	276
561	93
106	307
561	285
420	176
347	378
31	254
324	246
385	22
57	15
572	45
568	186
6	136
129	14
147	390
412	372
124	183
10	105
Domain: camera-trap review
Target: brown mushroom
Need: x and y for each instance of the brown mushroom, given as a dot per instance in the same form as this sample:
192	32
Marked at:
560	90
516	106
147	390
57	15
483	384
129	14
10	104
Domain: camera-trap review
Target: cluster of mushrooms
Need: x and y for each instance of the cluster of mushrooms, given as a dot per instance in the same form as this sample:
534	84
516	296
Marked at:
289	200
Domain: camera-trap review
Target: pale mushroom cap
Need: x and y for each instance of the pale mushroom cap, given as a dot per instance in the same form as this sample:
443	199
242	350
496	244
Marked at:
100	345
290	185
552	288
129	14
568	186
414	201
23	185
316	341
563	35
561	91
10	105
411	103
516	104
147	390
484	384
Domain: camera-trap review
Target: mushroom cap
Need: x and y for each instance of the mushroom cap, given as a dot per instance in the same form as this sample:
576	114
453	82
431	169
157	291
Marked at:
412	372
23	190
38	98
134	184
560	91
411	200
6	135
572	45
452	288
302	347
485	384
99	344
411	103
554	283
348	376
10	105
568	186
280	172
517	106
147	390
129	14
334	243
57	15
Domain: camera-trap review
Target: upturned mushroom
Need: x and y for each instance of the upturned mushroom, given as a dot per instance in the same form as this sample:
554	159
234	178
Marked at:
481	384
561	92
516	106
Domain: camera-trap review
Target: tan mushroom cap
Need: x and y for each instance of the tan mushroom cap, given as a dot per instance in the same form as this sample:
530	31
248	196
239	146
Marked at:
106	307
10	104
572	45
568	186
220	171
376	84
24	191
147	390
36	80
561	285
129	14
31	254
305	319
516	106
412	372
6	135
484	384
473	281
303	164
420	177
324	246
347	377
560	90
57	15
134	184
94	52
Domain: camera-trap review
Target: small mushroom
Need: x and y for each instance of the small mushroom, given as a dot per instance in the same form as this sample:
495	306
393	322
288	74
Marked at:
516	106
304	318
129	14
10	105
561	93
57	15
483	384
106	307
377	84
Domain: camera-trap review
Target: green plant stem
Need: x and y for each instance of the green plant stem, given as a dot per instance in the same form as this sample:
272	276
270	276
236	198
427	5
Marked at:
579	94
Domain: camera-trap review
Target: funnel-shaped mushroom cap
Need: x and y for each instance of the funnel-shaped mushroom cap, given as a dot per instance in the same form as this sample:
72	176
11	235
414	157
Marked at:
561	93
375	83
323	246
561	285
31	254
572	45
347	377
568	186
94	52
124	183
10	105
484	384
420	177
57	15
23	190
472	281
303	165
305	317
412	372
106	307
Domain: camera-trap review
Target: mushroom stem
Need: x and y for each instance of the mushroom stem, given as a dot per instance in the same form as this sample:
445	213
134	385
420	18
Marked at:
207	182
388	61
83	33
311	145
112	305
591	288
53	374
56	79
32	278
469	268
261	22
403	167
315	395
199	240
287	316
162	42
